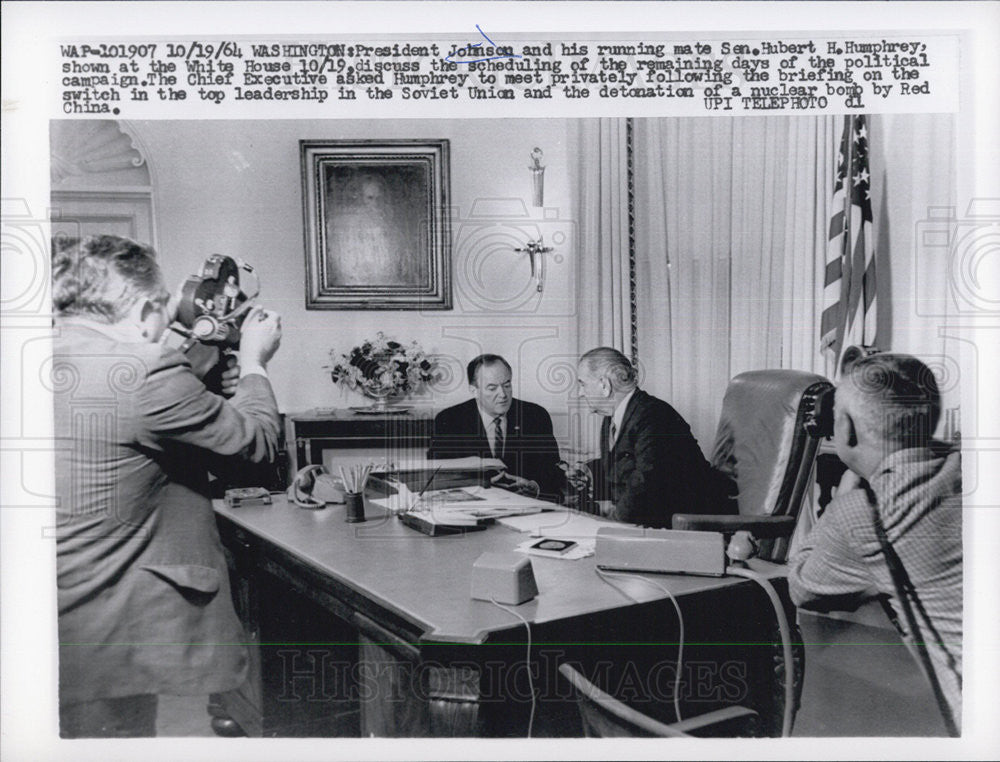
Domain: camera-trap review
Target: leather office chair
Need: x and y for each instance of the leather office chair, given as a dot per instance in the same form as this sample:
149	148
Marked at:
606	717
766	446
769	431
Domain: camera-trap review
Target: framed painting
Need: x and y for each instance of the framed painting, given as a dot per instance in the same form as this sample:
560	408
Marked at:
376	224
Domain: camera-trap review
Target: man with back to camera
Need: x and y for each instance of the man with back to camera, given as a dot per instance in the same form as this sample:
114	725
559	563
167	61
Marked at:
650	465
143	590
904	521
493	424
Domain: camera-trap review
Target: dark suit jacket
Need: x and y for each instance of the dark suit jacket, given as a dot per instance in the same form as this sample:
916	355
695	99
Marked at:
655	468
530	449
143	590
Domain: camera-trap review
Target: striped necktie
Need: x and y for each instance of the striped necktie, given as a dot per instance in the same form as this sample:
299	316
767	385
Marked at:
498	437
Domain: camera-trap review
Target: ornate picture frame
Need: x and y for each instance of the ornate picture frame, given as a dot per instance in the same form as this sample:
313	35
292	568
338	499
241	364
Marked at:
376	216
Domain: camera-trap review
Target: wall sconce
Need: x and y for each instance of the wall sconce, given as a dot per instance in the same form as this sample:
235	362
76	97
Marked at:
537	170
536	251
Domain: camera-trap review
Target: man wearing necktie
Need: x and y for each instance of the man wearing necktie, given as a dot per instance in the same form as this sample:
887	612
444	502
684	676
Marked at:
650	465
498	437
495	424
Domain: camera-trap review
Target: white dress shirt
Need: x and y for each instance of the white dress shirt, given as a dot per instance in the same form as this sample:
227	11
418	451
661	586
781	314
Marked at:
491	430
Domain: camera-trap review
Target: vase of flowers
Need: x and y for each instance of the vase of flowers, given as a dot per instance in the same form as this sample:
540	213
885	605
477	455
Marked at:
382	369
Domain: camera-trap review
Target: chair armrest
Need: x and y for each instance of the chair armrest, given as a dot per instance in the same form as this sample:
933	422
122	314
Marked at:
761	527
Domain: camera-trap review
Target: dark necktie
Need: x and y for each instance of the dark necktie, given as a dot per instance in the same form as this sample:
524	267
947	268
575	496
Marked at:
612	433
498	437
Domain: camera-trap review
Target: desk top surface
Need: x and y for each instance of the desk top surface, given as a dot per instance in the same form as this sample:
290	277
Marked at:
427	580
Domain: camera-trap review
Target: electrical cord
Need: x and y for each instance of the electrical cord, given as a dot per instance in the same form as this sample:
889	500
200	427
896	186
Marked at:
786	642
680	619
527	663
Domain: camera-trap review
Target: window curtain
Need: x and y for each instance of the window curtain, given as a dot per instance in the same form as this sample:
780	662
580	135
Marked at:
604	303
914	178
731	224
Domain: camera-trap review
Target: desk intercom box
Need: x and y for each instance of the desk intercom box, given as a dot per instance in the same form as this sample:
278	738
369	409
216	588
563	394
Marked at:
503	577
672	551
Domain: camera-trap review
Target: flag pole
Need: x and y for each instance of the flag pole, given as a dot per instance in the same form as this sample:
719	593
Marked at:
845	246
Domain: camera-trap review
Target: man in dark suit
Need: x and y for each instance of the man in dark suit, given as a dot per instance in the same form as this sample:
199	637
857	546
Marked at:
650	465
495	425
143	590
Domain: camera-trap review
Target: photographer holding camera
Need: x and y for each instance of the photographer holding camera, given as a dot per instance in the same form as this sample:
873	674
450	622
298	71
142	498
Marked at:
143	590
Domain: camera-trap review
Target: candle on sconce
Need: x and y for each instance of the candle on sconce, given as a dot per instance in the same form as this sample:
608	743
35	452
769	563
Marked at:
537	170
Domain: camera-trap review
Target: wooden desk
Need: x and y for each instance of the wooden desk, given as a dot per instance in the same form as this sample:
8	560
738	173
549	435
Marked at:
394	435
361	629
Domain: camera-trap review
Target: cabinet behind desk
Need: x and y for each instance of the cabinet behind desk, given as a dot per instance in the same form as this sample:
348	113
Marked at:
361	629
390	437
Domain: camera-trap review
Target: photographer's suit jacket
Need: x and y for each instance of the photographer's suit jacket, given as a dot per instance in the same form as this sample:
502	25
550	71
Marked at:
655	467
530	449
143	591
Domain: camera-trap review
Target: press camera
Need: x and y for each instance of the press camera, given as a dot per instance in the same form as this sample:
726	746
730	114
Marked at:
214	303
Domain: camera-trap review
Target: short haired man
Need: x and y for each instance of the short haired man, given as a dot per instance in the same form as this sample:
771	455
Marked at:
494	424
143	590
898	534
650	465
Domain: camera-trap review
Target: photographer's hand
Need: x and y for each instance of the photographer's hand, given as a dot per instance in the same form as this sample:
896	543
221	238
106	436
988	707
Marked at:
230	377
260	338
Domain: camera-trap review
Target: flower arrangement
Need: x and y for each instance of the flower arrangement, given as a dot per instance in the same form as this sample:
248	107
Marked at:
381	368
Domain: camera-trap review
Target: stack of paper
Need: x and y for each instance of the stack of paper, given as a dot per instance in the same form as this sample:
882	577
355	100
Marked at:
462	505
427	465
561	523
421	476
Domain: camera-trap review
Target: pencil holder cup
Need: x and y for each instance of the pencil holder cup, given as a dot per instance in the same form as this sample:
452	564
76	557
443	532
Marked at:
355	502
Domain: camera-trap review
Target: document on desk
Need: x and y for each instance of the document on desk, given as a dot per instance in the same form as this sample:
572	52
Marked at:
426	465
420	476
463	505
580	549
559	523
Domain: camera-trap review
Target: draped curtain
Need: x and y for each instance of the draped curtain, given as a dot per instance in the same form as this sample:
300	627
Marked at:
914	168
604	305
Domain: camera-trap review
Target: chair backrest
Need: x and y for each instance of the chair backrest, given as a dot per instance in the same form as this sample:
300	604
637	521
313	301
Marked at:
769	431
604	716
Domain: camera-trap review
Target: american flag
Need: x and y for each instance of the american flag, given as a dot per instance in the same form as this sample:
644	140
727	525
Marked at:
849	293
